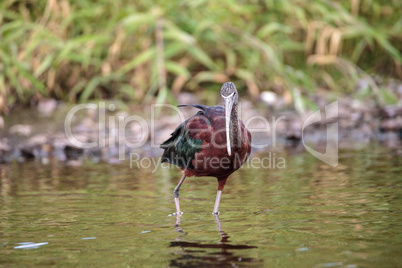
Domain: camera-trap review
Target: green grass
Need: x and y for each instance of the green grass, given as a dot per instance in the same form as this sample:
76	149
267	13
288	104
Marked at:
138	50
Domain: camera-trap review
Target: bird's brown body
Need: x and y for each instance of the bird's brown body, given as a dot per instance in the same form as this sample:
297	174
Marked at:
213	160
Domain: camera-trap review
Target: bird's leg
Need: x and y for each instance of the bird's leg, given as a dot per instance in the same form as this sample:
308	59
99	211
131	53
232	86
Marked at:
221	184
217	202
178	229
218	223
176	194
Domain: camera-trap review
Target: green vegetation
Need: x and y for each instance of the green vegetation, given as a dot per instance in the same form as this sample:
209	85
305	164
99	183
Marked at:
135	50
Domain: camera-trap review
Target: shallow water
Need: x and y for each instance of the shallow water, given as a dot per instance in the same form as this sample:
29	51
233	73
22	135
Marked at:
307	215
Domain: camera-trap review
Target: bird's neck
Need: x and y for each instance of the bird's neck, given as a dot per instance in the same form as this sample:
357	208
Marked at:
235	134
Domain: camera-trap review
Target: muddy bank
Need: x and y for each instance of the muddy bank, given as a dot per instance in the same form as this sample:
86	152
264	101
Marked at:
108	132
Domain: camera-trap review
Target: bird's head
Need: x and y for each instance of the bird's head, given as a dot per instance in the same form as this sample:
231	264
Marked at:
229	95
228	90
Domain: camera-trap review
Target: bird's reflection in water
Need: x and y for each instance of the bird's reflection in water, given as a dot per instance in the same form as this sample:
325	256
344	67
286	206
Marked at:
221	254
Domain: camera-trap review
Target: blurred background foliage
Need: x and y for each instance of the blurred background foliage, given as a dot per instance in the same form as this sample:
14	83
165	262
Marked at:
144	51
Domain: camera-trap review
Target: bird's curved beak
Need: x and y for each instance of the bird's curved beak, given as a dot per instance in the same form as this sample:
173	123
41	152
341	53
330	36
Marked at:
228	111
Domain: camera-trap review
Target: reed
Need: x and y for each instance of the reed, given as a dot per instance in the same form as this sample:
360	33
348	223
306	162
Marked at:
144	51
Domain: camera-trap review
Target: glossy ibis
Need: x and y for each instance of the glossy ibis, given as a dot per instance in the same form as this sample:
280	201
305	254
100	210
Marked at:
214	143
